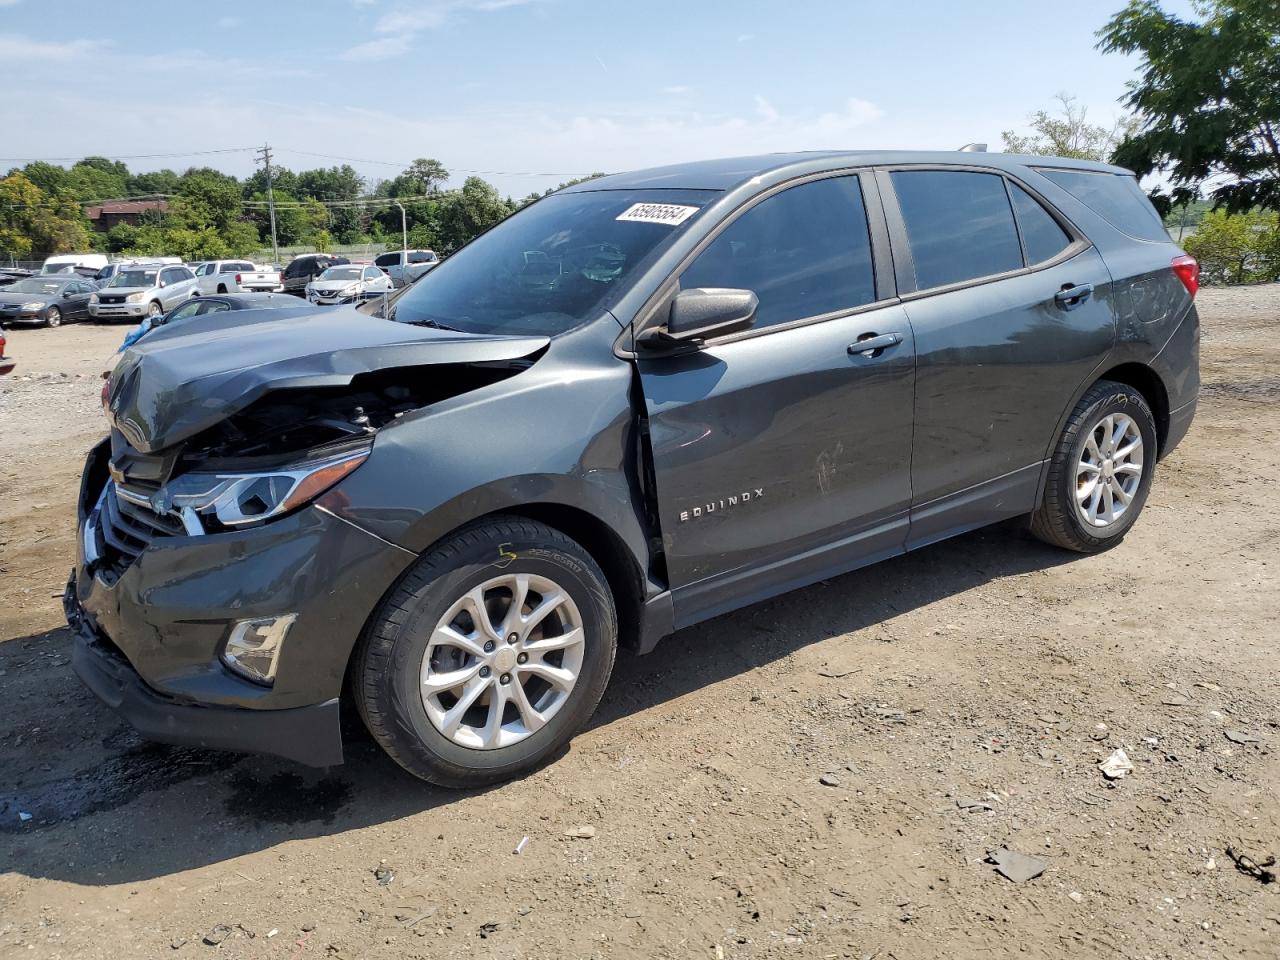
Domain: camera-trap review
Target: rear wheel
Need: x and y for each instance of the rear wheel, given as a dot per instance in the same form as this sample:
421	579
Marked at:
53	317
1100	472
222	288
493	651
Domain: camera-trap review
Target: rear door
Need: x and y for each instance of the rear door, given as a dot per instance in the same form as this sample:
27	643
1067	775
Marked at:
782	454
1012	309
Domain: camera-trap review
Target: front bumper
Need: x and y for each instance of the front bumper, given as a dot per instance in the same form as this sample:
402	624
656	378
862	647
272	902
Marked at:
309	735
165	617
128	310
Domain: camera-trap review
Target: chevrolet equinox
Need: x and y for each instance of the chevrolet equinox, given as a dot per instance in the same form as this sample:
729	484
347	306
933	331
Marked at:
638	403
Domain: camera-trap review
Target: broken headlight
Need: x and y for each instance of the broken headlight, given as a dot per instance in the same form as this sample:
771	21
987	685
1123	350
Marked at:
236	499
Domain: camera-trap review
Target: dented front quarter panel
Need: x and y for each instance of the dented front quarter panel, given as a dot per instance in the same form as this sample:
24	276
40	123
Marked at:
561	433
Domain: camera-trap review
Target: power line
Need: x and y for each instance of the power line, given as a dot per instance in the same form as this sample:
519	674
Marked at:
409	163
133	156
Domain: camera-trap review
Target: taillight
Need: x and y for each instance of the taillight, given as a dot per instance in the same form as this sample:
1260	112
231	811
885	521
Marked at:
238	275
1188	272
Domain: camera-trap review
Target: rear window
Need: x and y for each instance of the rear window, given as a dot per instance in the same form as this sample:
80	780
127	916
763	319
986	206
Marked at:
1116	198
959	224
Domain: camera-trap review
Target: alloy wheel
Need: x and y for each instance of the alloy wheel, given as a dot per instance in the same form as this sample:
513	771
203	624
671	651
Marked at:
1110	470
53	317
502	661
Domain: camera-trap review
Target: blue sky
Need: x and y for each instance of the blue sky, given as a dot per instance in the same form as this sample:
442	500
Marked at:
535	91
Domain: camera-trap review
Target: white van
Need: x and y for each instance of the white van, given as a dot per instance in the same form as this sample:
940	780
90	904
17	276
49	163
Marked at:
90	262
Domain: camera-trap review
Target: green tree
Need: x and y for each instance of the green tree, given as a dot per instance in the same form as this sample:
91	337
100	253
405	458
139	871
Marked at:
94	179
121	237
1068	133
156	182
209	196
466	213
283	180
1237	247
36	224
1208	98
49	177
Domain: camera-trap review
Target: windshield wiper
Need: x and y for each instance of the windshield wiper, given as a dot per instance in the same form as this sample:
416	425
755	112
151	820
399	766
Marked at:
427	322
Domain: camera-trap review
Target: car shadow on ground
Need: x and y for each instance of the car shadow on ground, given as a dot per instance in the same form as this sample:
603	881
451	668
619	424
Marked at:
112	809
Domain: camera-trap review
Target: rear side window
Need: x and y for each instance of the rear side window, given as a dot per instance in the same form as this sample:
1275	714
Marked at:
804	252
959	224
387	260
1116	198
1042	236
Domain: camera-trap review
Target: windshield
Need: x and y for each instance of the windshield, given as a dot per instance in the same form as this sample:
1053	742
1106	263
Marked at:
35	285
134	278
341	273
549	267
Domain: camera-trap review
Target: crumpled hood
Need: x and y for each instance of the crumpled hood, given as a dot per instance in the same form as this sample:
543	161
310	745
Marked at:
175	383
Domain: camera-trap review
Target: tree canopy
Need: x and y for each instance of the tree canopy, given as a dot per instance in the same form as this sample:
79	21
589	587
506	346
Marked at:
1068	133
1207	99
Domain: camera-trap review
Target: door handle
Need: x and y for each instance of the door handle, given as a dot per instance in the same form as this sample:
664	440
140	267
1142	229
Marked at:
1073	295
872	345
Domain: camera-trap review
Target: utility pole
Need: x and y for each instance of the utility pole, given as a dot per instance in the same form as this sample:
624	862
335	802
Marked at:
404	227
265	156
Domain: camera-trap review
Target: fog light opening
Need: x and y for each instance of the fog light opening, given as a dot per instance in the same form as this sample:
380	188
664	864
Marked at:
253	648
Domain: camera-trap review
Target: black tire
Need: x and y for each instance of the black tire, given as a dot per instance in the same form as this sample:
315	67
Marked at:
53	317
386	666
154	309
1057	520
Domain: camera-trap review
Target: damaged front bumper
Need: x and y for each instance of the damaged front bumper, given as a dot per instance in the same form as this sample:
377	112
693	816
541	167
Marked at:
151	629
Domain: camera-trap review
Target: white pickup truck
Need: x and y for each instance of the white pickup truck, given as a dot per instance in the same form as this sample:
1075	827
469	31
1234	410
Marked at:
236	276
406	266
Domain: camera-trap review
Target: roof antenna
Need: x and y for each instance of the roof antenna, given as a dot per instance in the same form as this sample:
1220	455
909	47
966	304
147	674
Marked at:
974	148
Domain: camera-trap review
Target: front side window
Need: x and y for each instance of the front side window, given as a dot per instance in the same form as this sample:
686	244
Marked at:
553	265
803	252
188	309
372	273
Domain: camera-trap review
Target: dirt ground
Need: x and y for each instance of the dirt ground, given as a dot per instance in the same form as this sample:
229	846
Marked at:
822	775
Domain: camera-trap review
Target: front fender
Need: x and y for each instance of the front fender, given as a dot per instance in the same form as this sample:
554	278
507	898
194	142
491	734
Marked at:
557	434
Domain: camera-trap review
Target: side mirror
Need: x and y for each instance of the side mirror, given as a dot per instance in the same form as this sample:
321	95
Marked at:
67	294
702	313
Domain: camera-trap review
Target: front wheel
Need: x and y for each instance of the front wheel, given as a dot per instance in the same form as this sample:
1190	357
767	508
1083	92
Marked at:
155	309
53	317
492	652
1100	472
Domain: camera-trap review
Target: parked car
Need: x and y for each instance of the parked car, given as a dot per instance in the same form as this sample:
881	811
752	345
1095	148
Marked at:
350	283
47	299
236	276
206	306
302	270
6	363
405	266
142	291
70	262
761	374
13	275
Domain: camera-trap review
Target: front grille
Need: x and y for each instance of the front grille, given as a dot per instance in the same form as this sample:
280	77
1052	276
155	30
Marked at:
105	298
125	528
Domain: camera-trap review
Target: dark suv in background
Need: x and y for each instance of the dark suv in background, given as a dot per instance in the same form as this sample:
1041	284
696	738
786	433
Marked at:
638	403
302	270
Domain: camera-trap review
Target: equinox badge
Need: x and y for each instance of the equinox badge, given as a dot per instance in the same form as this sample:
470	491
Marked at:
746	496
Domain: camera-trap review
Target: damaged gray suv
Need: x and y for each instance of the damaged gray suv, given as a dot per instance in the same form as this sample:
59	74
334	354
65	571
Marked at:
636	404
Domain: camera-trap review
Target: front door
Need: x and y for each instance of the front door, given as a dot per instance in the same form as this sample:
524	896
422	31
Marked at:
782	455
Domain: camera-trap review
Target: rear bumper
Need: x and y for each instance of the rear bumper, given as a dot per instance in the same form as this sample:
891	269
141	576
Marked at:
1179	424
309	735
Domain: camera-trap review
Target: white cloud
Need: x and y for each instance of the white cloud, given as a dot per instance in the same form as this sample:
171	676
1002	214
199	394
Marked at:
766	110
384	48
17	48
677	90
8	3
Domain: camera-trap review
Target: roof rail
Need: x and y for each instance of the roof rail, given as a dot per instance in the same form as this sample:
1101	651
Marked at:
974	148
